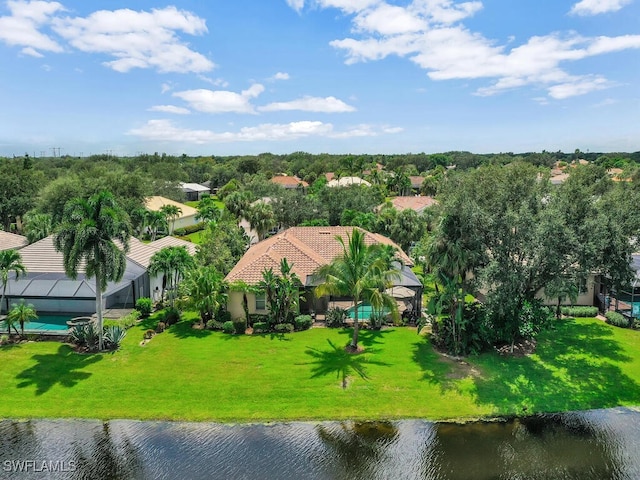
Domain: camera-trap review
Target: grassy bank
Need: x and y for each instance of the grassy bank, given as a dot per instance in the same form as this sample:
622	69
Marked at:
185	374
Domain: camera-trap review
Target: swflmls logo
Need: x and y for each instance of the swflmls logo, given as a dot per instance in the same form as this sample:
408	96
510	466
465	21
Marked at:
38	466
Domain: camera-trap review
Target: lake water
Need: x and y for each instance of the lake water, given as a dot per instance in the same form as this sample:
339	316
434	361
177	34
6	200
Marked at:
599	444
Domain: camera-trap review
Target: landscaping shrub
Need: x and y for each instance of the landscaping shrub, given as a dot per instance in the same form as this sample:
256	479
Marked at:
227	327
336	317
149	333
129	320
223	316
240	325
258	318
215	325
171	316
303	322
579	311
144	306
161	327
284	328
85	335
377	319
181	232
113	337
260	327
4	339
616	319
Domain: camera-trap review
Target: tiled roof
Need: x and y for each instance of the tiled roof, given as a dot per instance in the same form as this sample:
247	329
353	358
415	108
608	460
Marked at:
347	181
289	182
306	248
141	253
156	202
416	181
414	203
174	242
10	241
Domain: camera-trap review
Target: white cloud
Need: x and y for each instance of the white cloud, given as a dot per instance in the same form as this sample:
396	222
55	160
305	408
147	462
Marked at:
429	33
216	82
138	39
221	101
310	104
167	87
296	4
21	28
280	76
170	109
31	52
166	130
596	7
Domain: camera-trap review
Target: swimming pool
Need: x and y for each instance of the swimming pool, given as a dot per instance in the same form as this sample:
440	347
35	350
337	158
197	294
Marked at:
48	323
364	311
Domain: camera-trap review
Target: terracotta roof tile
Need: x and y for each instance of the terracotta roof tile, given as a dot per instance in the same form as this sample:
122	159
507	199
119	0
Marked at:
10	241
414	203
306	248
289	182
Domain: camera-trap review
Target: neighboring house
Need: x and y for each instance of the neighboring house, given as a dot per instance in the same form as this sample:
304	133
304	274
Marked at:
559	179
417	203
347	182
625	301
306	249
416	182
194	191
48	288
186	218
289	182
11	241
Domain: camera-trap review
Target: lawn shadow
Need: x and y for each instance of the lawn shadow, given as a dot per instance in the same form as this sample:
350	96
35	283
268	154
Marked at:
63	367
185	329
575	367
367	338
337	361
436	369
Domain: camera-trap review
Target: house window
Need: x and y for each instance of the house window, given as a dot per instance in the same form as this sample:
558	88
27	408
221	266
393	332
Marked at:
261	302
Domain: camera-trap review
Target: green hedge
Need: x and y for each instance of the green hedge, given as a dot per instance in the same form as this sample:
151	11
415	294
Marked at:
260	327
303	322
587	312
181	232
616	319
284	328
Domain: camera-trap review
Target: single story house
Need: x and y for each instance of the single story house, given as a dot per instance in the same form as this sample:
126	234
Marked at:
347	182
187	216
49	289
417	203
416	182
11	241
306	249
194	191
289	182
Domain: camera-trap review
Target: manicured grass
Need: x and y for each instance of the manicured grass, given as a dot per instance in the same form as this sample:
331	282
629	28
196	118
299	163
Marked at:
187	374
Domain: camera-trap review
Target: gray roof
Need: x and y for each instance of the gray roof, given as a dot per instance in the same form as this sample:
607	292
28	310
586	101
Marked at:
174	242
11	241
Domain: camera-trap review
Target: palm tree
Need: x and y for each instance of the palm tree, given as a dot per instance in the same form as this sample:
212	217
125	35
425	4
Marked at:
87	236
171	213
238	203
10	261
173	263
155	221
37	226
208	211
22	313
261	218
205	289
363	272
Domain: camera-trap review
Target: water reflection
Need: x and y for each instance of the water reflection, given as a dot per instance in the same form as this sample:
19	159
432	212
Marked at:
603	444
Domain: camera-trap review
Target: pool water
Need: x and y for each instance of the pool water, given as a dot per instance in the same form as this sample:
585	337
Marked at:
364	311
48	323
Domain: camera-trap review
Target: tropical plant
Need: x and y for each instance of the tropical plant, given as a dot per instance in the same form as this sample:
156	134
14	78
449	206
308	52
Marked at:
204	289
261	218
363	272
238	203
21	313
208	211
171	213
113	336
282	292
10	261
87	236
173	263
144	306
155	221
37	226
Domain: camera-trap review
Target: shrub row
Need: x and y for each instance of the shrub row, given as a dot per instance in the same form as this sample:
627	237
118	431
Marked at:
181	232
616	319
579	311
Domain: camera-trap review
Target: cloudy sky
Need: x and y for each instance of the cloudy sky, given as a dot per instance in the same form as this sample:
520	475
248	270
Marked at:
360	76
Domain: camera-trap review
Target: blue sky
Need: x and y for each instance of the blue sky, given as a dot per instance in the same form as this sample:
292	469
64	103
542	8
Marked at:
336	76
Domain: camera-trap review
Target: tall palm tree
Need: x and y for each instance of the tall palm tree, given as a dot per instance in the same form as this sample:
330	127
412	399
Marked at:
171	213
173	263
208	211
10	261
155	221
261	218
87	236
363	272
22	313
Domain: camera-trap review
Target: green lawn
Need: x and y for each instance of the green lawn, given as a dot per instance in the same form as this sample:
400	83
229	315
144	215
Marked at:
186	374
